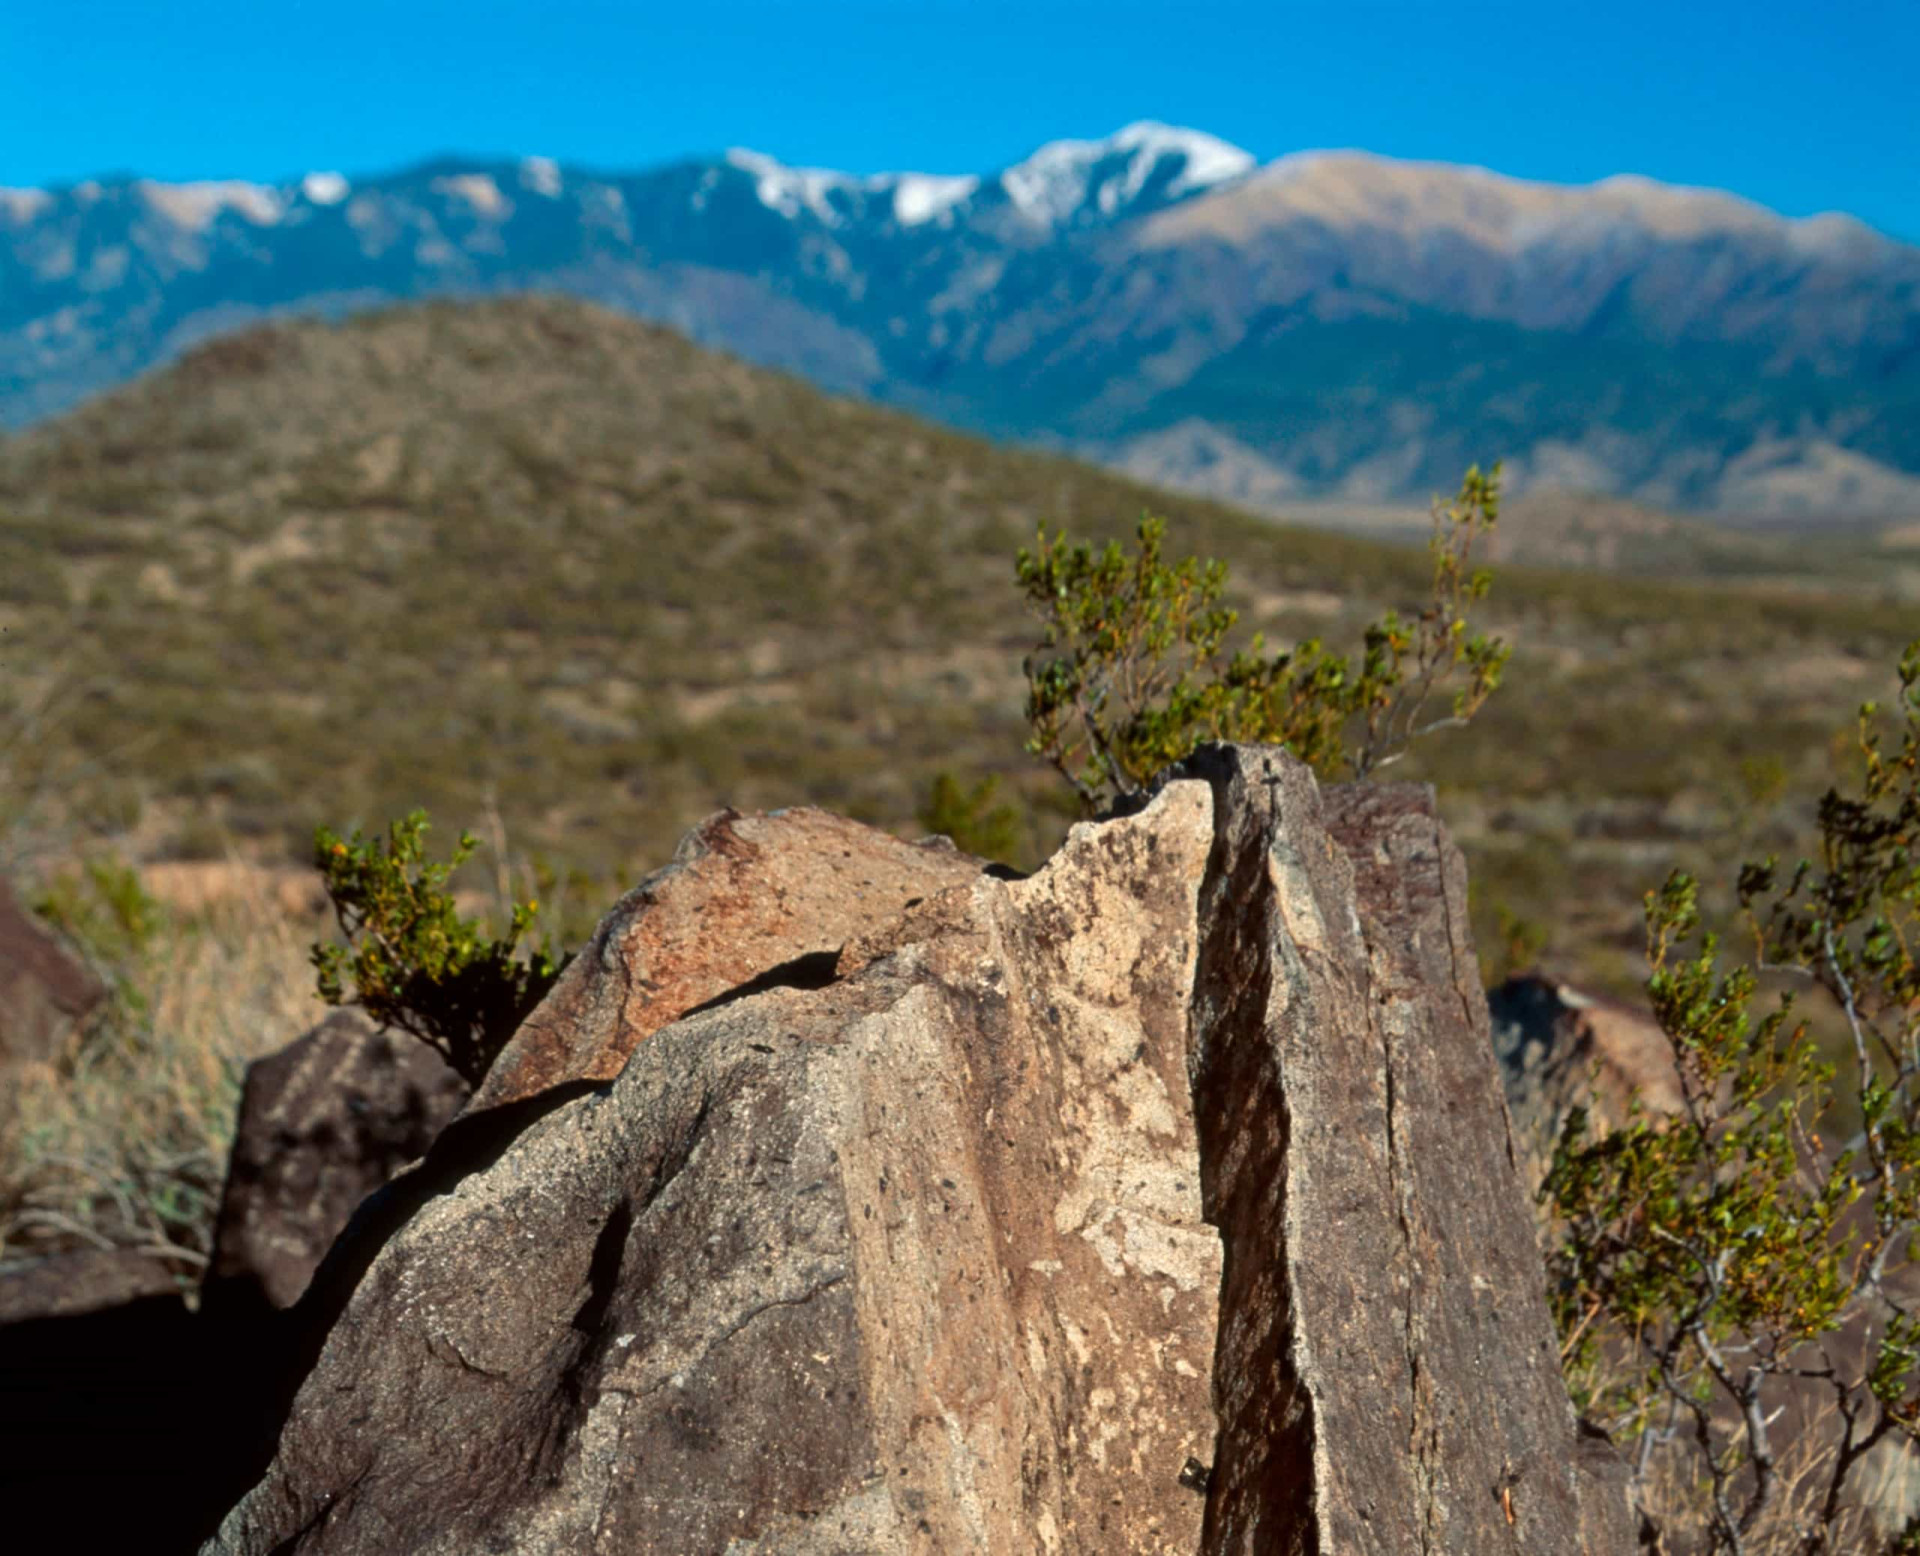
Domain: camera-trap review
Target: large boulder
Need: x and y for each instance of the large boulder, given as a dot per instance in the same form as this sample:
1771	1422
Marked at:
323	1123
928	1249
45	991
911	1261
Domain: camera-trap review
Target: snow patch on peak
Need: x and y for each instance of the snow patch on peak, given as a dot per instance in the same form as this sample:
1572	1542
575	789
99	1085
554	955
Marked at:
197	207
790	190
1210	160
326	188
479	191
921	197
1061	177
541	175
22	205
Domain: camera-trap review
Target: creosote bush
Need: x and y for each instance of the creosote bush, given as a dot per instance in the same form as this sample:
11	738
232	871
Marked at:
1708	1262
411	960
1132	671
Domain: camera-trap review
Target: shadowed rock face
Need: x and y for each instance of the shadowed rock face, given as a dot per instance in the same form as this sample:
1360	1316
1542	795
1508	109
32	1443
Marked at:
928	1251
1560	1049
323	1123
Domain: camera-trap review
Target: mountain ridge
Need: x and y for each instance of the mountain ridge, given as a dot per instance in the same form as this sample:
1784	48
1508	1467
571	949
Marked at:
1360	326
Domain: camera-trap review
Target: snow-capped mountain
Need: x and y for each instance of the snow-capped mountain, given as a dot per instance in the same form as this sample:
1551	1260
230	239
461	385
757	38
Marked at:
1078	183
1335	322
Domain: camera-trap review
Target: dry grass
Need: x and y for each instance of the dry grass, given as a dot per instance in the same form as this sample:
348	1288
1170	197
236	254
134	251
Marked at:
122	1143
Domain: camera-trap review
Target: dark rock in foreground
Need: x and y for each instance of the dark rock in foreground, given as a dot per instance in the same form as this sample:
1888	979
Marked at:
1388	1378
323	1123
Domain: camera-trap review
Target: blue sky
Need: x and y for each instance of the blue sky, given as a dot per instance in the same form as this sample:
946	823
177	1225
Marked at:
1803	107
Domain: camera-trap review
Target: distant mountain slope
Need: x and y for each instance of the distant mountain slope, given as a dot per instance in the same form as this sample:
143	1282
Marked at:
1330	324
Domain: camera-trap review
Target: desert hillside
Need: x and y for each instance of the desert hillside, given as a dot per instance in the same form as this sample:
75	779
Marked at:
536	561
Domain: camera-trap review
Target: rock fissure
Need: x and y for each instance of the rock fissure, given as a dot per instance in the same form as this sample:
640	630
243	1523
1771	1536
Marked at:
672	1161
772	1303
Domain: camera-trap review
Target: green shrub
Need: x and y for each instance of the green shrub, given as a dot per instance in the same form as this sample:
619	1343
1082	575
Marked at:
1521	941
411	960
105	909
1703	1258
970	817
1132	671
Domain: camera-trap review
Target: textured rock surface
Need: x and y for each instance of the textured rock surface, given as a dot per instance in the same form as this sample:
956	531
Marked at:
912	1252
323	1123
766	896
1560	1049
44	990
1386	1373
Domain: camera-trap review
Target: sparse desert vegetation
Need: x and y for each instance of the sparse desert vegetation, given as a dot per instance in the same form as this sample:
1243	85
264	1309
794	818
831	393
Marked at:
531	562
122	1142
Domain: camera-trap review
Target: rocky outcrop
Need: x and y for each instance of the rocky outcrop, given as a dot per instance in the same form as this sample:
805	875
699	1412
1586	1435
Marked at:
1162	1201
1560	1049
323	1123
746	898
912	1261
45	992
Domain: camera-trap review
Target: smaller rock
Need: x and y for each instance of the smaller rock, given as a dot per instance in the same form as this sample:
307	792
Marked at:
323	1123
45	991
65	1285
1560	1049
